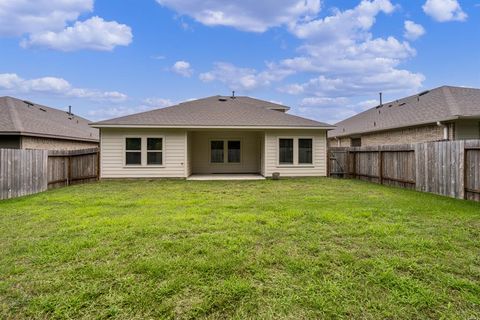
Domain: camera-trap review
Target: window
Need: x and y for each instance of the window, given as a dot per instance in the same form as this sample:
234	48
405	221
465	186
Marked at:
286	151
216	151
234	151
356	142
154	151
305	151
133	151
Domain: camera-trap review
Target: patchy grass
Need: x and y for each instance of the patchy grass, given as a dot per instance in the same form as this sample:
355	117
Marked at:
308	248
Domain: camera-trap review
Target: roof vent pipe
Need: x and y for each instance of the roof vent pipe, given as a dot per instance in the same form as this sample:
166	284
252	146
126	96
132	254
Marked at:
70	110
381	99
233	94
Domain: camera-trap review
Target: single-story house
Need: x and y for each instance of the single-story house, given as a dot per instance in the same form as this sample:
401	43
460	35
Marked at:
445	113
27	125
215	135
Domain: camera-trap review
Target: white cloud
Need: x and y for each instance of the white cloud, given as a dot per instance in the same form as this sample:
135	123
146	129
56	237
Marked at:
115	112
12	83
352	23
413	31
332	110
343	53
18	17
444	10
349	61
182	68
93	34
323	101
359	85
158	102
246	79
120	111
45	23
247	15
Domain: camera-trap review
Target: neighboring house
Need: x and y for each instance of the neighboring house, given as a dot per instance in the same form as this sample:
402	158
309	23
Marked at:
445	113
212	136
26	125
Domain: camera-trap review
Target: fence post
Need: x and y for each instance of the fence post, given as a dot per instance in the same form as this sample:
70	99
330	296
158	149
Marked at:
463	183
69	171
380	166
98	165
354	165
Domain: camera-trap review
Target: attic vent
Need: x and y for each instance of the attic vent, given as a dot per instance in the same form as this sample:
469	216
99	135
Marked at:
41	109
402	104
28	103
222	99
423	93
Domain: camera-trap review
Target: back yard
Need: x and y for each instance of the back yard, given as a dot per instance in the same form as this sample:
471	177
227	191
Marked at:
308	248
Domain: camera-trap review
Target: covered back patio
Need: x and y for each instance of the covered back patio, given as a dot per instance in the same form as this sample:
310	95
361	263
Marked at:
224	155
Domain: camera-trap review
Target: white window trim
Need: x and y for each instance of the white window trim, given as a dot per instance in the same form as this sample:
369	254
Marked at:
225	152
143	151
295	152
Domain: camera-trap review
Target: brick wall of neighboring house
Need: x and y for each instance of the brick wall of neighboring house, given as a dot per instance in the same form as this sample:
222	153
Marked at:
55	144
399	136
404	136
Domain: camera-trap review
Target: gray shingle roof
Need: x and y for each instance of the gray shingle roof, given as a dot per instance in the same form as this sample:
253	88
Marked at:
19	117
217	111
440	104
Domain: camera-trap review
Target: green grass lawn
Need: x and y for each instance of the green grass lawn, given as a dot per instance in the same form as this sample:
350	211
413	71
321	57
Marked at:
293	249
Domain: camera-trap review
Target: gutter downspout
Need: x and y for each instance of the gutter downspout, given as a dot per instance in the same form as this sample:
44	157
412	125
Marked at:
445	129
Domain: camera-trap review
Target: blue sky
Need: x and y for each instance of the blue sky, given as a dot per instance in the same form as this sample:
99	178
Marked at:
325	59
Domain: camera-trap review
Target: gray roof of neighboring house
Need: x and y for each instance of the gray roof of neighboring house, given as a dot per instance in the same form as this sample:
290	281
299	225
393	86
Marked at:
216	111
440	104
30	119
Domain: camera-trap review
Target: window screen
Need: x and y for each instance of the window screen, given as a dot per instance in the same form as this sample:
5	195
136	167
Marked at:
234	151
286	151
305	151
216	151
133	151
154	151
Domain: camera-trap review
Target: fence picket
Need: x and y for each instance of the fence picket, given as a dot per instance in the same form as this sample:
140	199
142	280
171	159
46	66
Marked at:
449	168
24	172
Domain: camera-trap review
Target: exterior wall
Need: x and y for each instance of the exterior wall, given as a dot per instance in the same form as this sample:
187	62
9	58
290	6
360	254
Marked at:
55	144
10	142
189	154
262	154
340	142
319	166
250	157
404	136
467	129
112	162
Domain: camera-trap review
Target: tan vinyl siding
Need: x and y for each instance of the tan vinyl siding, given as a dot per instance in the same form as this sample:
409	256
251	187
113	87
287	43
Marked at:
189	154
113	157
262	154
319	166
250	144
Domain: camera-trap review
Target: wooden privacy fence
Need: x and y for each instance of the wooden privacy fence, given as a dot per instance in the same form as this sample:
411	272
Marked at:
449	168
24	172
